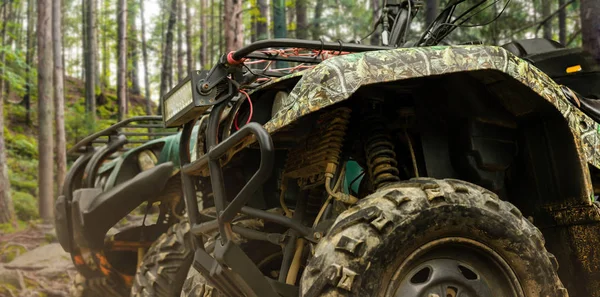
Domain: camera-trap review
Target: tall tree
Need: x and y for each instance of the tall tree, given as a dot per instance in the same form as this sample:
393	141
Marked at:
590	26
301	20
562	23
7	211
234	35
316	22
221	48
375	36
45	90
145	57
29	59
122	58
253	23
133	49
212	31
59	98
279	20
431	10
262	26
104	81
203	31
188	40
546	7
179	55
90	59
166	74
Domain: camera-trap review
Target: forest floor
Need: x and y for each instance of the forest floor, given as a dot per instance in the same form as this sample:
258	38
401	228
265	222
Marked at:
32	263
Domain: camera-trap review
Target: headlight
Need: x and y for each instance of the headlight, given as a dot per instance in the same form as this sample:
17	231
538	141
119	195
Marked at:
181	104
178	100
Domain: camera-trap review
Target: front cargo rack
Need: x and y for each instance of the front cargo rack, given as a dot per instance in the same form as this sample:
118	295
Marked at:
137	130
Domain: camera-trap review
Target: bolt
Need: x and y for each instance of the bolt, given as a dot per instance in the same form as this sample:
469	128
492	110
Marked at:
205	86
318	235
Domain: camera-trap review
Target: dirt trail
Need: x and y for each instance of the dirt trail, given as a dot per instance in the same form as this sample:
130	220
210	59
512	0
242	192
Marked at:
32	263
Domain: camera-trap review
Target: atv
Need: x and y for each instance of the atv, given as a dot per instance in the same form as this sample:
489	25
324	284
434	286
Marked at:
117	170
408	169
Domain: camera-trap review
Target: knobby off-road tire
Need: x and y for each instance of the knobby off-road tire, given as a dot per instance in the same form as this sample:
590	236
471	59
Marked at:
372	249
166	264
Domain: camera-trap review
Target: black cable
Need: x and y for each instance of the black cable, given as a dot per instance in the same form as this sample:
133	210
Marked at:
407	21
491	21
372	31
460	25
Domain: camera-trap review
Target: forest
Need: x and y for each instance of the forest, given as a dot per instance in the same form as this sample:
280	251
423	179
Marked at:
68	68
72	67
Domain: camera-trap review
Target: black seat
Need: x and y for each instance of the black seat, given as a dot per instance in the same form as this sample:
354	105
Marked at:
589	106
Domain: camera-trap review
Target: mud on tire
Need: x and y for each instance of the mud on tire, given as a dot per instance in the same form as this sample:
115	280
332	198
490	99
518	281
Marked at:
370	242
166	264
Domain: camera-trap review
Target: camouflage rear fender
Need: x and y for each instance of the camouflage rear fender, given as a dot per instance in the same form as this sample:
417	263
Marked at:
336	79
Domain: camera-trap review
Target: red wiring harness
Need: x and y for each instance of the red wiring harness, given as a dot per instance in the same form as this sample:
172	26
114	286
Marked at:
238	113
298	52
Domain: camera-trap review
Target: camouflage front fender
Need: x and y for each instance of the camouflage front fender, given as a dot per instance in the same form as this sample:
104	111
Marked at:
336	79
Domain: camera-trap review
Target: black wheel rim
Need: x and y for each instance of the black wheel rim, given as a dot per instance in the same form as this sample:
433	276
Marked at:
454	267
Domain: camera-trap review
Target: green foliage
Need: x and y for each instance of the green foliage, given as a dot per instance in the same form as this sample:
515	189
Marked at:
21	144
14	68
26	206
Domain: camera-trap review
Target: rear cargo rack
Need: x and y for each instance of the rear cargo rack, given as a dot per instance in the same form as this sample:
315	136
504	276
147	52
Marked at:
138	130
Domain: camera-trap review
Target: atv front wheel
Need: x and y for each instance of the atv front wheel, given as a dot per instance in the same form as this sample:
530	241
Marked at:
427	237
165	265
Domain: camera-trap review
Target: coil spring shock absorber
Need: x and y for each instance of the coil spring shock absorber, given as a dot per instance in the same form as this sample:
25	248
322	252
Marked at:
379	150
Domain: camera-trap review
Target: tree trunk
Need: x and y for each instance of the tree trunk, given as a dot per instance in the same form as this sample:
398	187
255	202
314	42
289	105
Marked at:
122	58
90	72
59	99
167	67
221	32
95	46
431	10
45	90
262	25
105	52
301	20
7	210
203	30
546	7
590	26
133	51
212	31
29	60
279	20
562	23
145	57
179	24
375	7
253	23
188	41
19	27
316	24
234	35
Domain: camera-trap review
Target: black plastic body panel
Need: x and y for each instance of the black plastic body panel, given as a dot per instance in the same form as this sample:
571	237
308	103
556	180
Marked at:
61	223
93	213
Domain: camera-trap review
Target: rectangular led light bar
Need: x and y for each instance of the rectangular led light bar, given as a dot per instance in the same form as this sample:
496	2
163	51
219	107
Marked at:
180	105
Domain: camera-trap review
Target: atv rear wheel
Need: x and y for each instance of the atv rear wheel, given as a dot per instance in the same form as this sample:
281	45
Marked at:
165	265
427	237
